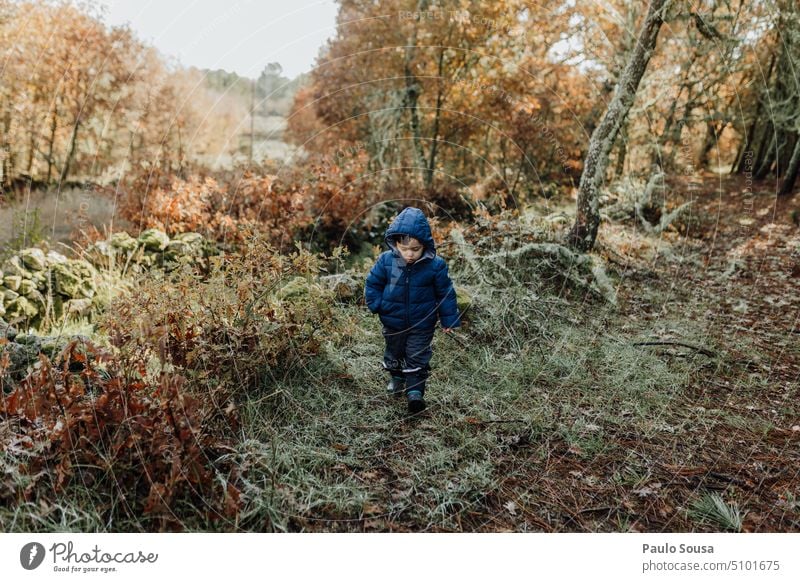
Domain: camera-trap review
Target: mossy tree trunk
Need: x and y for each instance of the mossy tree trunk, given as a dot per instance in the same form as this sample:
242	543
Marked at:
771	146
587	220
792	171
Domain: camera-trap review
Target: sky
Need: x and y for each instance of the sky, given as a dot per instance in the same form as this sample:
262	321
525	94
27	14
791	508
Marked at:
235	35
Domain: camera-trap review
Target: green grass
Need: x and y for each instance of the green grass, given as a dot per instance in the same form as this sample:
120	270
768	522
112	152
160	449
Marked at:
325	443
710	507
538	392
322	447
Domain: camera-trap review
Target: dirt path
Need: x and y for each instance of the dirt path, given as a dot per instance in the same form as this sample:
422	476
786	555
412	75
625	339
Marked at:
740	281
752	269
735	434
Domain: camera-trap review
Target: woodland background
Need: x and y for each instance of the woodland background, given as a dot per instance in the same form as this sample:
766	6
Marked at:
613	184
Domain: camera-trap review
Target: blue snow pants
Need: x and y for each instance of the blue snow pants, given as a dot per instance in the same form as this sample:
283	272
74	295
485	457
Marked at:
408	354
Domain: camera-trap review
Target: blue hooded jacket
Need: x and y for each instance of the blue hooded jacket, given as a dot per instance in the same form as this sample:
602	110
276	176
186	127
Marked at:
415	295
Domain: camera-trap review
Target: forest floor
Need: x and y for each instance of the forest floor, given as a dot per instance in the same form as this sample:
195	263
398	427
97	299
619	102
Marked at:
674	410
734	429
677	410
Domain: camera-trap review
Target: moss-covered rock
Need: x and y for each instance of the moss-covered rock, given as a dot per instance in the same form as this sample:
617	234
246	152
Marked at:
179	248
345	287
29	339
37	299
194	239
149	260
77	306
24	350
154	240
296	287
9	295
20	356
33	259
75	278
101	253
13	282
14	266
21	307
7	330
123	241
53	346
39	279
26	287
464	300
53	257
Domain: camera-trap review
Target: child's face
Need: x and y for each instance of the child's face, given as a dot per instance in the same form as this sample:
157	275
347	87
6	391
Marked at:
410	252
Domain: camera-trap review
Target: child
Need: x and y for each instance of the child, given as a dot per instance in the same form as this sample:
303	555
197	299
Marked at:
409	288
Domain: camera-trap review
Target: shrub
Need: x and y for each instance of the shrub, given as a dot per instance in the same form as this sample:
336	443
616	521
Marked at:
140	447
337	196
230	332
220	211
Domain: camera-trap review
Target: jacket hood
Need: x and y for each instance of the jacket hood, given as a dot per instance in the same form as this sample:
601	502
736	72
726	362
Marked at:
412	221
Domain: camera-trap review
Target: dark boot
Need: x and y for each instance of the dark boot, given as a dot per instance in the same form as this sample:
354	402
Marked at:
415	391
396	386
415	402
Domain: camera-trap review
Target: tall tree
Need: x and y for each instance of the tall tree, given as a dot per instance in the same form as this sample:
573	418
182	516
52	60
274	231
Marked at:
460	92
587	219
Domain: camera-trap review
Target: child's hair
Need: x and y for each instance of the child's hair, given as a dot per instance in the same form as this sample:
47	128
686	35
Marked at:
405	239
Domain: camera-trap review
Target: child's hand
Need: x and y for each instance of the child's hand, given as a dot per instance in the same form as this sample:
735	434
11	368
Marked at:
447	329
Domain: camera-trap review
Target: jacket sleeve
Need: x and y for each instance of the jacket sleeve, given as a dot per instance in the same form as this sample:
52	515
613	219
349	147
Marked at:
446	298
373	289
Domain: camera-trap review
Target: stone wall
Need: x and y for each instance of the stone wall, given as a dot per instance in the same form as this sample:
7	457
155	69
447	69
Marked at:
39	285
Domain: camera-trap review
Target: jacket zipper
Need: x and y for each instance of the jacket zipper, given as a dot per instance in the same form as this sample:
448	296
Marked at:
408	296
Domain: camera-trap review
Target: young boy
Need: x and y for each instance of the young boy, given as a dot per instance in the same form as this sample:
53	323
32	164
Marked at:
409	288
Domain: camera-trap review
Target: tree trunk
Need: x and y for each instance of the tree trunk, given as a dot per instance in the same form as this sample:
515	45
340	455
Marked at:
51	143
622	151
5	152
746	146
791	172
763	138
786	153
768	153
750	137
523	158
587	219
775	132
31	150
413	90
437	115
3	181
73	140
485	150
713	132
503	160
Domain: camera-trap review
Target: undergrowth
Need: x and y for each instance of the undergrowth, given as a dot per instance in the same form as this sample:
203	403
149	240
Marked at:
548	411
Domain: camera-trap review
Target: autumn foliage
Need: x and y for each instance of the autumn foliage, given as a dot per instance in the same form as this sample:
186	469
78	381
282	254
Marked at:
145	424
82	100
320	200
217	210
84	420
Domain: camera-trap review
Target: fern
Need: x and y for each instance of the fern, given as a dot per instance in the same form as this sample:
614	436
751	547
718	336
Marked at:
711	507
